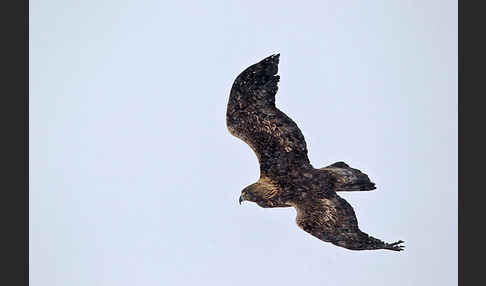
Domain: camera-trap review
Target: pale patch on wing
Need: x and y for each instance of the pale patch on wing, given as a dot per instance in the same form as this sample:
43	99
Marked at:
329	212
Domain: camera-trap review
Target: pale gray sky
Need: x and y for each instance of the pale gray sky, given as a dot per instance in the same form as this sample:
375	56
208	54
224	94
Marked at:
134	178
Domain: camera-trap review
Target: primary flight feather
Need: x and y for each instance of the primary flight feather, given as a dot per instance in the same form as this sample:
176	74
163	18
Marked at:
287	179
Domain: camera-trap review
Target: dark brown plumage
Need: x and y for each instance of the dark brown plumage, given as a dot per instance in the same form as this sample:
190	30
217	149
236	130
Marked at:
287	179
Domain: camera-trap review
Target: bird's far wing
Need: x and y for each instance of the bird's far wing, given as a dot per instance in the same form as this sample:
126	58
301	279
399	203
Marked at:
347	179
333	220
252	116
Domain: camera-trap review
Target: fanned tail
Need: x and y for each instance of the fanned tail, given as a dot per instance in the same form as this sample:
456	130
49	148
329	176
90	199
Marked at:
348	179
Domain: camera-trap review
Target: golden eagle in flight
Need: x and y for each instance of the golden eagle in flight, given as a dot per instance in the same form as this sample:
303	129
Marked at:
287	179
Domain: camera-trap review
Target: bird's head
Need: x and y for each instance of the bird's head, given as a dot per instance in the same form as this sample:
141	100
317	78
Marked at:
250	194
264	193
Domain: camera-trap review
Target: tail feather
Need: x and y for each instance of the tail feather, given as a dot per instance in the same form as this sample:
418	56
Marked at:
347	179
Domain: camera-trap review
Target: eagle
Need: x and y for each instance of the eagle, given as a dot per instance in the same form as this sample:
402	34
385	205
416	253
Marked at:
287	178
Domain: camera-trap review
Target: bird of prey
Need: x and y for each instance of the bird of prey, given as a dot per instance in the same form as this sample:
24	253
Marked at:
287	178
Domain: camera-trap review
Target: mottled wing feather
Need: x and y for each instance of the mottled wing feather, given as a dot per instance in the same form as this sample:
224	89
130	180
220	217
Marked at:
347	179
252	116
332	219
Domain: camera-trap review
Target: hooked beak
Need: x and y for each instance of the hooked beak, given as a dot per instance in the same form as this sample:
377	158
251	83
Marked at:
240	199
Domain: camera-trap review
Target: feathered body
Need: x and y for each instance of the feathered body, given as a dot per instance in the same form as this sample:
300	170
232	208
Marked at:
287	178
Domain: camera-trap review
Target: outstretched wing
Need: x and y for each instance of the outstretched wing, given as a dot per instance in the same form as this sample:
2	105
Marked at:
332	219
252	116
347	179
